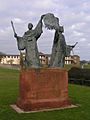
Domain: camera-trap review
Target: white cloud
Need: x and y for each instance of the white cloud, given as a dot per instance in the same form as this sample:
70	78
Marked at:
45	4
74	15
18	20
86	5
76	33
89	44
83	40
87	18
78	26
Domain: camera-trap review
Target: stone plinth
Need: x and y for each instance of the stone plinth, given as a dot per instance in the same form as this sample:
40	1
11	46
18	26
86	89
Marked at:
43	88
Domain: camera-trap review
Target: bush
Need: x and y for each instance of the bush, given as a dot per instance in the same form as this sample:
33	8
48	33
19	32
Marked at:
78	73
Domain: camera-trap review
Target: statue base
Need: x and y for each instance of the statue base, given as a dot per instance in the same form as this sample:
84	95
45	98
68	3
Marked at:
43	88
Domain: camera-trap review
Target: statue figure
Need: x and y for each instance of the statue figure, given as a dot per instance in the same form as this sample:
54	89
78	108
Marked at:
58	49
29	42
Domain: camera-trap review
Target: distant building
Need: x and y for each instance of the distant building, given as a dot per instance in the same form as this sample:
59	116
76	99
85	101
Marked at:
72	59
10	59
44	59
15	59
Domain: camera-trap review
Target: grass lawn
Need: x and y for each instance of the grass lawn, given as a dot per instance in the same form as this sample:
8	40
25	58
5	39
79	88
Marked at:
9	80
87	66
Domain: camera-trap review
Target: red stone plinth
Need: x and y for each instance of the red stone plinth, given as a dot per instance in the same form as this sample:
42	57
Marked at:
43	88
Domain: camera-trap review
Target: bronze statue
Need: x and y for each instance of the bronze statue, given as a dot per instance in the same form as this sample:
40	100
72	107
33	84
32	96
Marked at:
58	49
29	42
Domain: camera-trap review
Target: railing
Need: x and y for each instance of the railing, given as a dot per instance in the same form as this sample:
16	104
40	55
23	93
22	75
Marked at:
79	81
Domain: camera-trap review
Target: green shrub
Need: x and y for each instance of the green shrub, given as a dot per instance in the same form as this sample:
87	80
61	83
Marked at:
78	73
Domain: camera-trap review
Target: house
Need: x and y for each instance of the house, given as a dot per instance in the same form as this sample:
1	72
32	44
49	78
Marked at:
72	59
44	59
10	59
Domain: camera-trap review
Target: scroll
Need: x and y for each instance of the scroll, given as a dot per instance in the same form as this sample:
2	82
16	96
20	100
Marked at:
50	21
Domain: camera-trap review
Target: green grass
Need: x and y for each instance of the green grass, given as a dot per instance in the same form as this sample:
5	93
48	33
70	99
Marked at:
9	80
87	66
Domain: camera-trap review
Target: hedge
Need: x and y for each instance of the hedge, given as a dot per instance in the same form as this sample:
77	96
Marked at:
79	73
79	76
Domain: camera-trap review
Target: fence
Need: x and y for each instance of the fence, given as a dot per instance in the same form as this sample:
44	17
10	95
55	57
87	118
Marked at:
79	81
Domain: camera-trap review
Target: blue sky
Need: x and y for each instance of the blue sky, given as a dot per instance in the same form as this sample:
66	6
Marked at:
74	15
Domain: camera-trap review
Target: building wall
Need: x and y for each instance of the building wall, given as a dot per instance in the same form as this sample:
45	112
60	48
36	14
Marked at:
75	59
44	59
10	59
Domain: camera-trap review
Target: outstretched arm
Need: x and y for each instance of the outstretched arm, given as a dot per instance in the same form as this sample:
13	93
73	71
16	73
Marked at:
72	46
38	28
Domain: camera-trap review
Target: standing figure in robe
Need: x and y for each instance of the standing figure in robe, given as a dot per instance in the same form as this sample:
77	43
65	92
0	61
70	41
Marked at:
29	42
58	49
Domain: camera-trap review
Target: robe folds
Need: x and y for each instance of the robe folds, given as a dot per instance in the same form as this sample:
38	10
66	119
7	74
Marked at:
29	43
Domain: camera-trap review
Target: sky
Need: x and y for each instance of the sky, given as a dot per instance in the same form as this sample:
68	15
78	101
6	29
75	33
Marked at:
74	15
